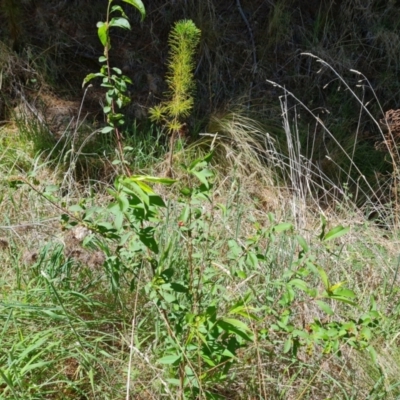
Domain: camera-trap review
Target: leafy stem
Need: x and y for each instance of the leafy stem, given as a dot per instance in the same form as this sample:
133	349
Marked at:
112	78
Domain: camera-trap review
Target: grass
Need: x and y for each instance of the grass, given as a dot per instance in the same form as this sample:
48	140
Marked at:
65	334
82	316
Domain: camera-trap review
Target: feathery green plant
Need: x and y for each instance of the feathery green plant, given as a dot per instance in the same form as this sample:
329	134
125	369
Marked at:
183	40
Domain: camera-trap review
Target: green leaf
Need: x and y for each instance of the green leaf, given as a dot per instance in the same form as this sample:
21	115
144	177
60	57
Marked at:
126	79
366	333
235	249
236	323
285	226
343	292
369	317
138	4
146	188
120	22
332	332
203	175
237	327
146	236
76	208
155	200
119	219
53	315
8	382
117	70
154	179
241	274
241	308
372	353
168	297
198	162
34	346
287	346
299	284
251	259
323	226
123	202
172	359
177	287
120	9
324	277
89	77
335	233
173	381
107	129
185	214
105	227
341	299
324	307
102	32
312	292
38	365
139	181
134	189
336	286
207	158
301	334
187	192
228	353
302	242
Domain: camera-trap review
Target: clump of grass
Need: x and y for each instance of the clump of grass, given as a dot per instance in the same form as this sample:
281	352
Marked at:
338	172
56	344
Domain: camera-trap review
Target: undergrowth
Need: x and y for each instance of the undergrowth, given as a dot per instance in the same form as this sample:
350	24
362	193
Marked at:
268	268
200	293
